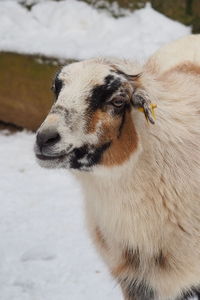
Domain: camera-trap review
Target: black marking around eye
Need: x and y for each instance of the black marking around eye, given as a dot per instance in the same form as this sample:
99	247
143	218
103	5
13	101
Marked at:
101	93
57	86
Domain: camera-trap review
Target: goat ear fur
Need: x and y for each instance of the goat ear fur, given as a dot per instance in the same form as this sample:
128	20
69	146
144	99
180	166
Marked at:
140	100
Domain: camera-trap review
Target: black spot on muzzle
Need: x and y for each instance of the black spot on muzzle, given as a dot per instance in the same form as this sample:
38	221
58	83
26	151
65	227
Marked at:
85	157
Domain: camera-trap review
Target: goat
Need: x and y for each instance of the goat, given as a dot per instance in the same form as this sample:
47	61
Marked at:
141	182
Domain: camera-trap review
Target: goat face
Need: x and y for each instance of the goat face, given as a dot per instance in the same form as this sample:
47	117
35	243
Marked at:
90	122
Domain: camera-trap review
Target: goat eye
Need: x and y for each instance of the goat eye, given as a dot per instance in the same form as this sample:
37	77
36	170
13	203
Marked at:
57	86
118	102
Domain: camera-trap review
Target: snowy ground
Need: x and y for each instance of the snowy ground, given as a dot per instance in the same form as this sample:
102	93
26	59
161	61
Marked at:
73	29
45	251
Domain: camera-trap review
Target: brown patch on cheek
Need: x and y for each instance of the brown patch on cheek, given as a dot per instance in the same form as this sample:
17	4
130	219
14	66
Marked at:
123	146
108	125
95	118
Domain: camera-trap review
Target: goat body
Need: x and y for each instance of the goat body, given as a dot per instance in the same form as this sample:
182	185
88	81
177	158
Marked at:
142	202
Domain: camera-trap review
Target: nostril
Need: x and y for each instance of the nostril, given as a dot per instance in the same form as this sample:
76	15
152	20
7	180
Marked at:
47	138
52	140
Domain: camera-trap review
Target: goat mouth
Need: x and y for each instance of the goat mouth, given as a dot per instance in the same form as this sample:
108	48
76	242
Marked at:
44	157
59	156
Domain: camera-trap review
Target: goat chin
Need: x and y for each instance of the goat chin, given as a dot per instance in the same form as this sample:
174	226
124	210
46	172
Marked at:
143	214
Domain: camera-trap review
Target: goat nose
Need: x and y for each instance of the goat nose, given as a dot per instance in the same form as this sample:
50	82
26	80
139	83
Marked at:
47	138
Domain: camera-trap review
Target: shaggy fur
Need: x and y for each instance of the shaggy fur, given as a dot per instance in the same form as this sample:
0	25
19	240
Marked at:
142	193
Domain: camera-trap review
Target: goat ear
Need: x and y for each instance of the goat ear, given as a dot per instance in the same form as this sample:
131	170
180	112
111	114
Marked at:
140	100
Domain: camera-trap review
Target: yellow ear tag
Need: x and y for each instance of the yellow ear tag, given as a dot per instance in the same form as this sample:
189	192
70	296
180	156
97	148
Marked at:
152	108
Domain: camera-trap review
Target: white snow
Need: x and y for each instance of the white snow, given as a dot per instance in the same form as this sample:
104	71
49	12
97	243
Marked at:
73	29
45	252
